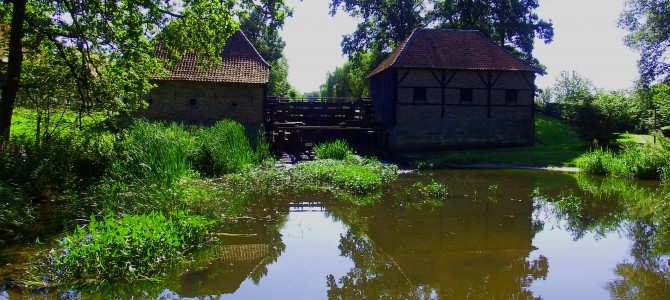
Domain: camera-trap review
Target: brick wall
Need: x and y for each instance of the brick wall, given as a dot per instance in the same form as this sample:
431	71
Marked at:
205	102
443	119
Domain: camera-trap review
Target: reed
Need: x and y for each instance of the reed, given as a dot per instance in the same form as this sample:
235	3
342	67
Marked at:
337	149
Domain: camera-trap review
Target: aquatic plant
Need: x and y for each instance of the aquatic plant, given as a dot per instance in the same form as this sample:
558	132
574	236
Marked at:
337	149
123	249
642	162
154	152
224	148
420	194
354	175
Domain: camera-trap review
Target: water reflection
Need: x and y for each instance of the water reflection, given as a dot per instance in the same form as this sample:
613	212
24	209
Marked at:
467	249
495	238
248	247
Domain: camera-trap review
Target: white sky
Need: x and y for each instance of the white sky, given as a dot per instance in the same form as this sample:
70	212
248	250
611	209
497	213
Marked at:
586	39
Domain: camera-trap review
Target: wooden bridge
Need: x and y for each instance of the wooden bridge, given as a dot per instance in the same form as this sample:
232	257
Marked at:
297	124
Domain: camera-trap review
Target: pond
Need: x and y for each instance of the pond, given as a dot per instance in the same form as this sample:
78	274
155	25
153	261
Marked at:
503	234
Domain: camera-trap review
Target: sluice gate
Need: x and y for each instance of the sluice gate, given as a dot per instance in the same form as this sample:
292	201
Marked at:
296	125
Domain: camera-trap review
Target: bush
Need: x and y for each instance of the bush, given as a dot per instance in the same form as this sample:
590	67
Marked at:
56	164
124	249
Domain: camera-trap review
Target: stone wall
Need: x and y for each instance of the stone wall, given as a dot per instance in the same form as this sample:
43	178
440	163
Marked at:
205	102
500	111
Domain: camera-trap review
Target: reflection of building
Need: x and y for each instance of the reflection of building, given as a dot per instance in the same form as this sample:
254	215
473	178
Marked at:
463	240
467	249
251	245
232	267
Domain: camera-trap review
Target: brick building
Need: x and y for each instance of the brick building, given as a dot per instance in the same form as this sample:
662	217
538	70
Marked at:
451	88
234	90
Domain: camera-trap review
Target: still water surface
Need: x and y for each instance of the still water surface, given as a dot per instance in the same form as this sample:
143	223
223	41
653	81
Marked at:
495	238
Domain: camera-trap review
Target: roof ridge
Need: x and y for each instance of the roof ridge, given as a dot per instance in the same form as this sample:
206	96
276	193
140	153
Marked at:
508	52
404	44
252	47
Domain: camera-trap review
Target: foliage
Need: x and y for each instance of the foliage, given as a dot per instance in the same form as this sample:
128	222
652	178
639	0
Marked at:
644	162
107	47
337	149
648	21
154	153
384	24
224	148
62	163
124	249
575	98
511	24
350	80
261	24
354	175
15	210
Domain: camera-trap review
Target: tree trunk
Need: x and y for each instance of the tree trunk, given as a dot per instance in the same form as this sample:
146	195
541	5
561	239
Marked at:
15	61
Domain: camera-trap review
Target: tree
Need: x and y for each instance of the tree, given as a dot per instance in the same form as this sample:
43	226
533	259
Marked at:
512	24
261	25
350	79
648	22
107	46
385	23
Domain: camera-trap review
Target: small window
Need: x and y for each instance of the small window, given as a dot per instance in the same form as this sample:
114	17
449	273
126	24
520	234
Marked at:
511	96
420	94
466	96
193	101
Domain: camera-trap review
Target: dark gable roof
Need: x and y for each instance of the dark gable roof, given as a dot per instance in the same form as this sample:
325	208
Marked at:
451	49
240	63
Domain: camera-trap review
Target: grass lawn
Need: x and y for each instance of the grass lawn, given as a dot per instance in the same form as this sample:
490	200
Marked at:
556	145
626	138
24	121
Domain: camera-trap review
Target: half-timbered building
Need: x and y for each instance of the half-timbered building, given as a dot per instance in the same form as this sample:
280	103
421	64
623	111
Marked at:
453	88
235	89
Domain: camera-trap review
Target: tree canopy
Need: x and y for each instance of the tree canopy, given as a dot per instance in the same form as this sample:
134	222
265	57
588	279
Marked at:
261	23
648	22
513	24
107	46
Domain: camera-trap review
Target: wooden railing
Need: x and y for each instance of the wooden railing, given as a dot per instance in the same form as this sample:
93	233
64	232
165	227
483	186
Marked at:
318	112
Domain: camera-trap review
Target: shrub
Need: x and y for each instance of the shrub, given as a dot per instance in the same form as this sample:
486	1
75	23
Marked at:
124	249
56	164
337	149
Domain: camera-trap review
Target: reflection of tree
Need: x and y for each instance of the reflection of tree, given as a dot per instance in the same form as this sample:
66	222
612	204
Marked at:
377	276
468	249
611	204
648	275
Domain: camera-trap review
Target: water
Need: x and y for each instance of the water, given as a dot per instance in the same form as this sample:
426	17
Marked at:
496	238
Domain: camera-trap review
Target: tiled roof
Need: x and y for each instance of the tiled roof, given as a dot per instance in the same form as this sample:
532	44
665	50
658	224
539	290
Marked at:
240	63
451	49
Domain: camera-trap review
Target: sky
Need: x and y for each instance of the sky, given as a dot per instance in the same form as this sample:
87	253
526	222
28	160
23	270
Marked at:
586	40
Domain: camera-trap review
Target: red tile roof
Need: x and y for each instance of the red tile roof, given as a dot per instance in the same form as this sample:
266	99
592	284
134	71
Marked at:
240	63
451	49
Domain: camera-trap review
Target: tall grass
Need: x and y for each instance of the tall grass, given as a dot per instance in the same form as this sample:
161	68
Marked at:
154	153
646	161
224	148
337	149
